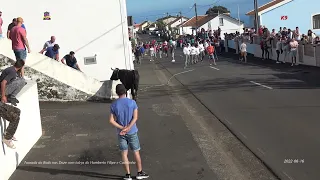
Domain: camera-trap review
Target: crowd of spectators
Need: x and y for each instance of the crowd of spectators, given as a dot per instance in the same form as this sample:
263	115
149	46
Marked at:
283	33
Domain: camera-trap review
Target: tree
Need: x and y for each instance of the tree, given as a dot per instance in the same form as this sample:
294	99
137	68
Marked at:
161	25
217	9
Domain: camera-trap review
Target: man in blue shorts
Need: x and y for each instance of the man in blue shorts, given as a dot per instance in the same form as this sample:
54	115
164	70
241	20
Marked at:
124	115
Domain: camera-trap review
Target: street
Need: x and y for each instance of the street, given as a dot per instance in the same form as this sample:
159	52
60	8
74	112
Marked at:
180	139
273	109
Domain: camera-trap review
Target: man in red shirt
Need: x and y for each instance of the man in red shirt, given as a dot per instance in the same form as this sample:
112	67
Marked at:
19	40
210	50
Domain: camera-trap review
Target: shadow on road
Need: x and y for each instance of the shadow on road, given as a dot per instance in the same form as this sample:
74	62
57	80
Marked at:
69	172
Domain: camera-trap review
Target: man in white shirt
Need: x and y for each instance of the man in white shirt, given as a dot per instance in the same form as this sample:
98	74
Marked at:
278	49
201	49
286	48
206	44
243	50
197	53
174	44
49	43
193	53
293	51
297	34
186	52
152	53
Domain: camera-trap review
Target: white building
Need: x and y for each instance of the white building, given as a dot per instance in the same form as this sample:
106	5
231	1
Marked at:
144	25
226	23
152	27
167	19
97	32
176	22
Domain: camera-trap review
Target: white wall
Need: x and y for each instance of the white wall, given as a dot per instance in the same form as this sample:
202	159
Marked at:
186	30
28	132
229	25
58	71
168	20
257	52
87	28
175	24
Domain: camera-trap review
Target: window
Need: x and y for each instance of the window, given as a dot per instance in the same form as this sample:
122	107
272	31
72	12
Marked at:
90	60
220	21
316	21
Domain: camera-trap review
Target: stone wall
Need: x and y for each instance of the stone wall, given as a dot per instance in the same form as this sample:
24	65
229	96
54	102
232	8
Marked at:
49	89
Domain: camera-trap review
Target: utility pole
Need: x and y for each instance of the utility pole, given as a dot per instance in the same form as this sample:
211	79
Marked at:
195	9
256	17
239	18
181	21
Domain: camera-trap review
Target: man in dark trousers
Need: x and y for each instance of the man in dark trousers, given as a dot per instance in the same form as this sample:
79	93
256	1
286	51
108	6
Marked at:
124	115
11	85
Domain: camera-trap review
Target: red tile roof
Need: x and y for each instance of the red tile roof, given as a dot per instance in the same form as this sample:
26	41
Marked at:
265	6
201	21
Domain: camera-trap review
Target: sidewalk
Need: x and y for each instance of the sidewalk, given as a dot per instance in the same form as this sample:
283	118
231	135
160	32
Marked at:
80	132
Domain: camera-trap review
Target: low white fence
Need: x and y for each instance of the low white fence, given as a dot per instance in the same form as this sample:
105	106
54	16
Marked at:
308	54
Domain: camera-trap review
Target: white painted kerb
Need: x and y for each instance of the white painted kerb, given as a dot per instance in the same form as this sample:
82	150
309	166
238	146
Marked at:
28	132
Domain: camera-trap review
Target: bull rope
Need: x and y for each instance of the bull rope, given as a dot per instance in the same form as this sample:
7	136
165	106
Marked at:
167	83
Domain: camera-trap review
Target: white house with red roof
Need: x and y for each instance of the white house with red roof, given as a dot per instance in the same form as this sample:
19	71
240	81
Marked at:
226	23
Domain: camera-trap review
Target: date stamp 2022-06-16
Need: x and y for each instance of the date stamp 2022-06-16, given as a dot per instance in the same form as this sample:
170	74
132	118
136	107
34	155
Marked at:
293	161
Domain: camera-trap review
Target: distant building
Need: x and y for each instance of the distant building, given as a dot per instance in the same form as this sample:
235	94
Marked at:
176	22
167	19
290	14
226	23
144	25
152	27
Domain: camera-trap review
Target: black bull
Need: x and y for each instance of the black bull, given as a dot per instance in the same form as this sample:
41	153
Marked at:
129	78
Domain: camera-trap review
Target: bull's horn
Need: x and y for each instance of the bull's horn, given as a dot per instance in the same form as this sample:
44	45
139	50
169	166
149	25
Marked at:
112	69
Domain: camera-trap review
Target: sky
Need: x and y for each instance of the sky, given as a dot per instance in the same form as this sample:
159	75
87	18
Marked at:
142	10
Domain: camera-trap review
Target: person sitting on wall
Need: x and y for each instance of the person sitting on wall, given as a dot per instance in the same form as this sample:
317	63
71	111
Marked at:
52	52
49	43
11	85
71	61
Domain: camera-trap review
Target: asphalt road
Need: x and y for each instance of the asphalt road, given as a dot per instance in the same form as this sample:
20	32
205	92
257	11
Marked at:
273	108
80	132
180	139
